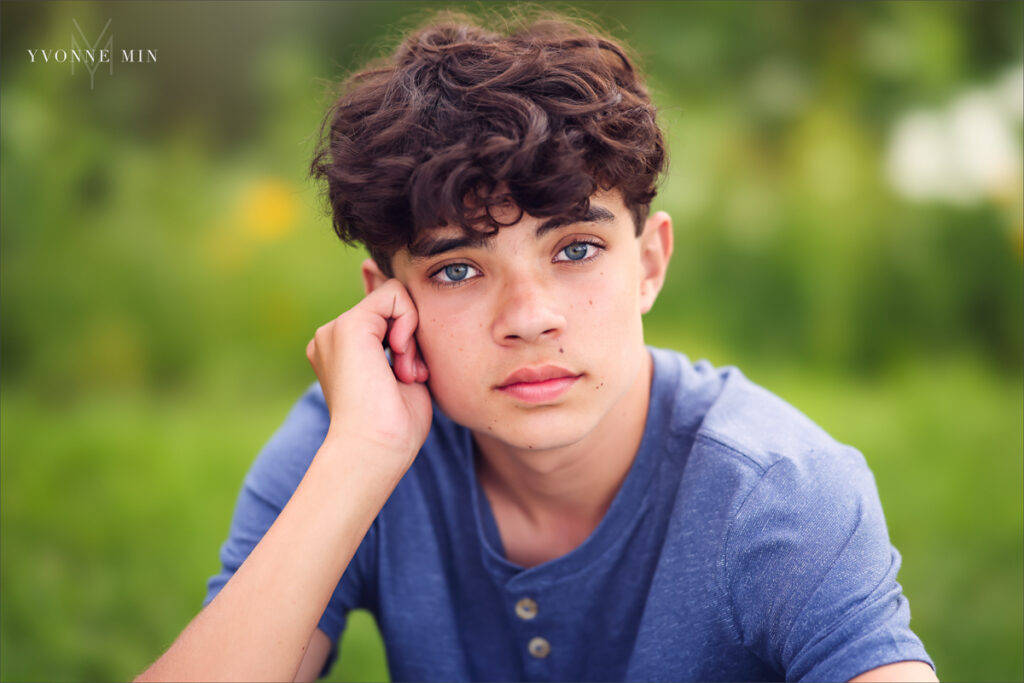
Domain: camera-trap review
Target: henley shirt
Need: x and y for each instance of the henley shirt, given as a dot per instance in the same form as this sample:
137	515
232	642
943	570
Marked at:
744	544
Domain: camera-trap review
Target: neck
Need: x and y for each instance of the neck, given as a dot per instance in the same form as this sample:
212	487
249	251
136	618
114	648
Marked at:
567	490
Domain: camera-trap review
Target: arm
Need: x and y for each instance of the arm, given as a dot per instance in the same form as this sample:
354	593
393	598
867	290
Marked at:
898	671
315	658
260	625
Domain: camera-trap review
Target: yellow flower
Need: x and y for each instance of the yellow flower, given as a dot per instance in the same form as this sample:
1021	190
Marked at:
268	210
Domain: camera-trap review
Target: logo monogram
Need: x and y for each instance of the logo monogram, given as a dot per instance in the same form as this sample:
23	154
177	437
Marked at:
107	49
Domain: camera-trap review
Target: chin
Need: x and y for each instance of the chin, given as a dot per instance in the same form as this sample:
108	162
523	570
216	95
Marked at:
545	433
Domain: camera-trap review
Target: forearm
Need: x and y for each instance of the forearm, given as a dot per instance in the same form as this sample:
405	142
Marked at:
259	625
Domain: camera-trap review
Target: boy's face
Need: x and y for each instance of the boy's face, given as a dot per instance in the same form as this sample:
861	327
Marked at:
534	336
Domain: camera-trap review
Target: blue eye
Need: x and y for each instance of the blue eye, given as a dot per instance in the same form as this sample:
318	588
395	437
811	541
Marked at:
577	251
455	273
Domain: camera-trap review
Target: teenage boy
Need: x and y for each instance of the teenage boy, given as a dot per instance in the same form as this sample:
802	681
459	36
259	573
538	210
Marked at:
524	490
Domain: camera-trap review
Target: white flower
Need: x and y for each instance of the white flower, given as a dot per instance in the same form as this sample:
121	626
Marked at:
964	153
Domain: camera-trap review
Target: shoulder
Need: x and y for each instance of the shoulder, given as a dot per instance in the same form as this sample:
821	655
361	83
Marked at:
762	472
727	418
797	535
287	455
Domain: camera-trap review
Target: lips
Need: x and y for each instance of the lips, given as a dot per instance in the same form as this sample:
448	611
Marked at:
538	384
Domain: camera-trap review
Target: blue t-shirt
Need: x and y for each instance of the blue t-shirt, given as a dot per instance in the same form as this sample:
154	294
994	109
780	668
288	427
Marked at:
744	544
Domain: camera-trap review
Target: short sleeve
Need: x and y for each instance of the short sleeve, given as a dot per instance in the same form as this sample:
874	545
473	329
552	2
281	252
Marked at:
812	575
267	487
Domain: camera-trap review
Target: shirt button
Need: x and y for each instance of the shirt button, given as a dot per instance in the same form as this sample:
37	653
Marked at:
526	609
539	647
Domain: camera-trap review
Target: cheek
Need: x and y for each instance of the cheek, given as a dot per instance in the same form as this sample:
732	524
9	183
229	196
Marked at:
451	348
609	304
446	340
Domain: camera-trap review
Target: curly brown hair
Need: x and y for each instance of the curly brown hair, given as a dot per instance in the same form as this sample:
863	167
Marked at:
460	119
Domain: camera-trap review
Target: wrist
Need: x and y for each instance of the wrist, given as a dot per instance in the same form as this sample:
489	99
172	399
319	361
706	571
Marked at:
379	458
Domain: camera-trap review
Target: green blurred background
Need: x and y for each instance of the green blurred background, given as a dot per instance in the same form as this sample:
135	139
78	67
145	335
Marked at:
845	181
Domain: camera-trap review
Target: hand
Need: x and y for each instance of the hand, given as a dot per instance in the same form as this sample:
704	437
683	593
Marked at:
379	420
369	402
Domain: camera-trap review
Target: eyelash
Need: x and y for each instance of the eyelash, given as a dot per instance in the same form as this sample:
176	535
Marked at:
598	248
434	279
451	283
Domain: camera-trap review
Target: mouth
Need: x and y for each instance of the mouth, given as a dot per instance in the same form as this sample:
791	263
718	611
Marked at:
538	384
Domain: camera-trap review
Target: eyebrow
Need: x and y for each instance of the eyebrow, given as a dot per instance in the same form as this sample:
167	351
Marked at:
426	248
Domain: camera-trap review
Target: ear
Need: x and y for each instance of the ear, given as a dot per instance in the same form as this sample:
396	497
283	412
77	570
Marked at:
373	276
655	252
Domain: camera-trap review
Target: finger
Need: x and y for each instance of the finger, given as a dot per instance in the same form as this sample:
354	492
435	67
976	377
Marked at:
394	314
387	333
411	367
405	318
420	366
417	367
404	367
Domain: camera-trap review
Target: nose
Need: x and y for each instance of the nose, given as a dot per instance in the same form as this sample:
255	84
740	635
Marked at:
526	311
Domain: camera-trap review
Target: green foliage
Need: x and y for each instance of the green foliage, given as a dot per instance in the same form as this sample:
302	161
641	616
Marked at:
163	262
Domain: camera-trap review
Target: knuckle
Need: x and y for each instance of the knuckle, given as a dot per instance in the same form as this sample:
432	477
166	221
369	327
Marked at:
324	331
